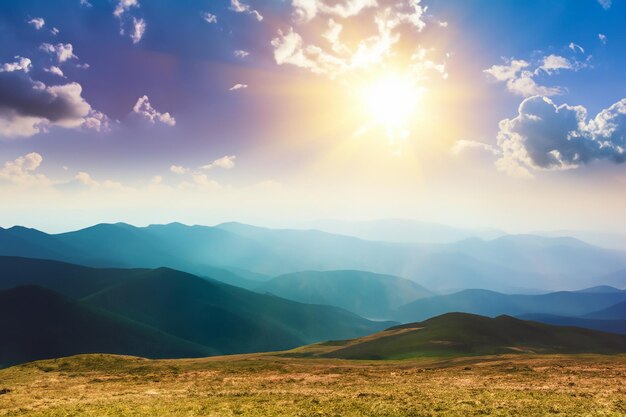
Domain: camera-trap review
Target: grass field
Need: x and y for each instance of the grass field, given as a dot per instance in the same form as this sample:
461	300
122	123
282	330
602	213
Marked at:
269	385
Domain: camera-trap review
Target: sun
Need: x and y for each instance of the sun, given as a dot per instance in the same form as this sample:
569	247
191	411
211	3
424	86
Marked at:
390	101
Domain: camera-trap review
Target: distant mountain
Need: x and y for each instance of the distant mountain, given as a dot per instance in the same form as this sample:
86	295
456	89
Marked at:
402	230
220	317
364	293
37	323
224	317
603	289
615	279
457	334
490	303
614	312
611	326
242	254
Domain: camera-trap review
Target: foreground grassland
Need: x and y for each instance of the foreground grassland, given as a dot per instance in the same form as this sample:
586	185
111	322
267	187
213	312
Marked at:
267	385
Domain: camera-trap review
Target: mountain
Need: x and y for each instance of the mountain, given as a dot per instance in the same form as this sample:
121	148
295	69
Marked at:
610	326
402	230
605	289
364	293
226	318
614	312
221	317
507	264
490	303
456	334
37	323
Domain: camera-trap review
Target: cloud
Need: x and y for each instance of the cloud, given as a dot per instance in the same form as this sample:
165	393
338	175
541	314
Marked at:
606	4
545	136
602	38
55	70
225	162
519	75
63	52
144	109
21	64
85	3
123	6
239	7
54	31
21	171
240	53
139	28
464	144
305	10
238	87
576	48
209	17
336	51
178	169
28	107
87	180
37	22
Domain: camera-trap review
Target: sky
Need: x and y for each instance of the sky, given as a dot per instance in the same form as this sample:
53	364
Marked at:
471	113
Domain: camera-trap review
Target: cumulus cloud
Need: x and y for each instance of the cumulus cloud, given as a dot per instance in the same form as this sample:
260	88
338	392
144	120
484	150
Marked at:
546	136
239	7
87	180
606	4
37	22
178	169
123	6
28	107
63	52
519	75
54	31
21	171
55	70
209	17
20	64
144	109
305	10
602	38
238	87
225	162
139	28
240	53
333	53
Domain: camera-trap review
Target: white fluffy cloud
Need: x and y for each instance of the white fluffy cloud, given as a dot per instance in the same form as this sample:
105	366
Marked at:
225	162
550	137
576	48
28	107
332	52
63	52
606	4
519	75
55	70
123	6
21	171
238	87
239	7
240	53
37	22
602	38
21	64
144	109
178	169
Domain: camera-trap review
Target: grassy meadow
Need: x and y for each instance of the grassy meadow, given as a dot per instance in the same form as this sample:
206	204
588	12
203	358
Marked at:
274	385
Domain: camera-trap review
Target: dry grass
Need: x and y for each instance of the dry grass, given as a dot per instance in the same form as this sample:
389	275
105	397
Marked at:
266	385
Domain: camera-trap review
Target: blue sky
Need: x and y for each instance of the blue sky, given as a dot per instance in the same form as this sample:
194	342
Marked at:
258	111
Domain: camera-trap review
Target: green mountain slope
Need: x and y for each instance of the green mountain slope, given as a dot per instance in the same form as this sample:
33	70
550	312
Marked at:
364	293
37	323
466	334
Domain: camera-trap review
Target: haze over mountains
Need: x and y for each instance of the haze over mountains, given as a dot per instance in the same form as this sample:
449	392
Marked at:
512	263
175	290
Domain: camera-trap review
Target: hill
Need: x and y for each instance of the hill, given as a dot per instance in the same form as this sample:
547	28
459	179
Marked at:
614	312
467	334
364	293
224	317
490	303
37	323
